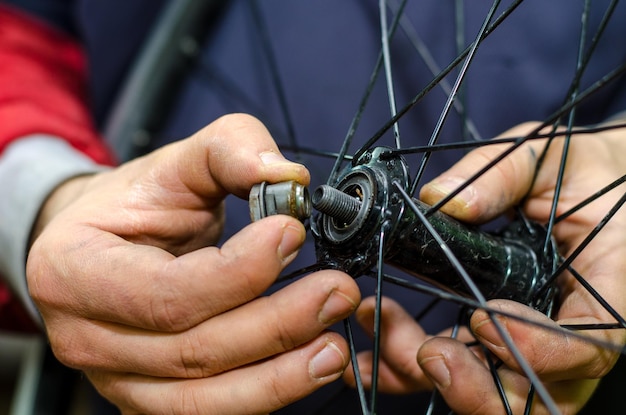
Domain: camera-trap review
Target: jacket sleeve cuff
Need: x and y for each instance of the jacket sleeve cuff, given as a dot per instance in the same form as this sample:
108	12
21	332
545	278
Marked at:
30	168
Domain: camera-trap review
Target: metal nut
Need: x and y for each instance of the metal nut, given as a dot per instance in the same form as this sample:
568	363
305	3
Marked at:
285	198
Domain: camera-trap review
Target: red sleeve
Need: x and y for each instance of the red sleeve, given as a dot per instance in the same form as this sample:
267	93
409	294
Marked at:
42	90
42	85
13	316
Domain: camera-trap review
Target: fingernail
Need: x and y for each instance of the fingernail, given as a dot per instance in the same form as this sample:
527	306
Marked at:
293	237
488	334
436	369
336	307
271	157
328	362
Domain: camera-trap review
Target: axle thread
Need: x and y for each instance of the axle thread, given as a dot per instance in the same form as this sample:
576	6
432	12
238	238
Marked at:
336	204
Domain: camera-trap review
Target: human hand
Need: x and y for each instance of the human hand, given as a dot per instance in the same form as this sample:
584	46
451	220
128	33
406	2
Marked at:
570	368
133	292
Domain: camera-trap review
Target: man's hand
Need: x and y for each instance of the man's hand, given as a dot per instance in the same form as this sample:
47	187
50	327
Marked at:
133	291
569	367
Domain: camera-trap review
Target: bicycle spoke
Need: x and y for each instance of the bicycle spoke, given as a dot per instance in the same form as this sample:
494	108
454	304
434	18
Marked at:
355	367
462	145
579	249
377	317
424	53
384	35
570	123
590	199
347	141
434	82
582	281
498	382
455	88
531	397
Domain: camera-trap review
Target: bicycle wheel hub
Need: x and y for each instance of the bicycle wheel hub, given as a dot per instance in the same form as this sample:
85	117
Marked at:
363	207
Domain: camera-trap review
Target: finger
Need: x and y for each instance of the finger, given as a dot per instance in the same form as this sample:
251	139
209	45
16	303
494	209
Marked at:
143	286
254	331
553	354
400	336
450	364
259	388
494	192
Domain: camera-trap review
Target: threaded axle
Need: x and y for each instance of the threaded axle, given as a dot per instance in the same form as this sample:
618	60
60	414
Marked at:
336	204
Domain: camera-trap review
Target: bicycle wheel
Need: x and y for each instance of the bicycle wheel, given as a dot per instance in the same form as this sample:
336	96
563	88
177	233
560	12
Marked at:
378	222
379	168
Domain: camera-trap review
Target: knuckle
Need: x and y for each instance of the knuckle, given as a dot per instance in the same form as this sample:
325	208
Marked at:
168	310
286	339
278	394
169	315
284	332
70	350
113	387
198	361
39	277
189	402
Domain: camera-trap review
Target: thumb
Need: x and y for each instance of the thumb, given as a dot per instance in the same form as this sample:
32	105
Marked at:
497	190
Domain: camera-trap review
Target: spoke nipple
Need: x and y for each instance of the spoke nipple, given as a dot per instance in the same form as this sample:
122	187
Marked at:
336	204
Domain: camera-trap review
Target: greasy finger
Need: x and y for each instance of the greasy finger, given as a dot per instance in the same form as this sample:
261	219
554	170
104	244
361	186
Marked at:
553	354
449	364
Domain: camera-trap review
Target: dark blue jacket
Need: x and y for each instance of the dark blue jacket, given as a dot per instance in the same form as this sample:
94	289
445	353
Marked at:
324	54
